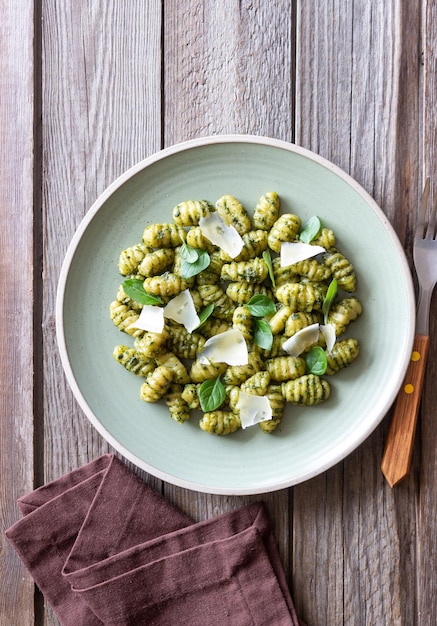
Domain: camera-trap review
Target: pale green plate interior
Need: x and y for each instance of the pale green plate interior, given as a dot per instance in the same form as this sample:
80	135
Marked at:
310	439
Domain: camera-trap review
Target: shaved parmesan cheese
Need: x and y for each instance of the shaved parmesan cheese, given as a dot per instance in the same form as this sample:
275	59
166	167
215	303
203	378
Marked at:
298	251
151	318
253	409
219	233
328	331
301	340
229	347
181	309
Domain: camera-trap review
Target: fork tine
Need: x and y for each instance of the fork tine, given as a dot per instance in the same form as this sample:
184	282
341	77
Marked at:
431	230
420	226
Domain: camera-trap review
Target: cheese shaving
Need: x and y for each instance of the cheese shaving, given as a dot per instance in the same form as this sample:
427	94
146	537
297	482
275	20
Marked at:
229	347
253	409
328	331
302	340
181	309
225	236
151	319
294	252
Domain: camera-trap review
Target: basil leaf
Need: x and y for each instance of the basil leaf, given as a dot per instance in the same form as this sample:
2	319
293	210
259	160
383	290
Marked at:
316	361
260	306
133	287
192	269
268	261
205	313
212	394
263	336
310	230
329	298
188	253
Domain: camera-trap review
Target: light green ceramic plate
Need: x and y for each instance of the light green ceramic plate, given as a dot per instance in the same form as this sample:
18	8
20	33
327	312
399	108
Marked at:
310	439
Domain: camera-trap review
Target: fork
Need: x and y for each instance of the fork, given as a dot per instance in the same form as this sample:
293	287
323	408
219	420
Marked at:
399	445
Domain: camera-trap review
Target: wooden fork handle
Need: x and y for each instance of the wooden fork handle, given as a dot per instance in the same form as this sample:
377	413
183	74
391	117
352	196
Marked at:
399	445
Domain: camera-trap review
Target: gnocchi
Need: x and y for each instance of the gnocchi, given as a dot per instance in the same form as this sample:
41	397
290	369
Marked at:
169	361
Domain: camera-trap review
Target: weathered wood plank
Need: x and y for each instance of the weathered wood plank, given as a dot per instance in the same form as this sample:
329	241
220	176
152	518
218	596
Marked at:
16	310
101	104
227	69
356	106
427	506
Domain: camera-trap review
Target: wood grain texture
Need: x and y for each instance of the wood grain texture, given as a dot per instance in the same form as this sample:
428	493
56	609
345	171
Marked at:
227	68
101	116
16	308
427	498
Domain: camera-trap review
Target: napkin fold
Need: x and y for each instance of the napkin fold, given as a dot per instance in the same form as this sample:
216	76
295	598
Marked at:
105	548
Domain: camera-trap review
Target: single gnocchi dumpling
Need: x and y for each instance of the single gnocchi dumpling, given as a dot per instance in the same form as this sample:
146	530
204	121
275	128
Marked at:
241	292
302	296
283	274
266	211
284	368
252	271
232	397
234	213
200	371
124	318
178	408
342	355
343	313
150	344
308	389
163	235
184	344
312	269
167	284
278	320
156	384
257	384
189	213
341	269
220	422
243	321
286	228
131	257
133	361
156	262
299	320
325	238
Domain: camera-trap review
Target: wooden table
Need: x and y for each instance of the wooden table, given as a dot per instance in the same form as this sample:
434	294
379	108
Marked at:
89	88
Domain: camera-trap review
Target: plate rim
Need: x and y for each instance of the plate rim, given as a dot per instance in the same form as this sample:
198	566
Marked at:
89	216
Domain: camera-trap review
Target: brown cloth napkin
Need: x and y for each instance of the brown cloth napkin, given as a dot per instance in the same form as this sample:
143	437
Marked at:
104	548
